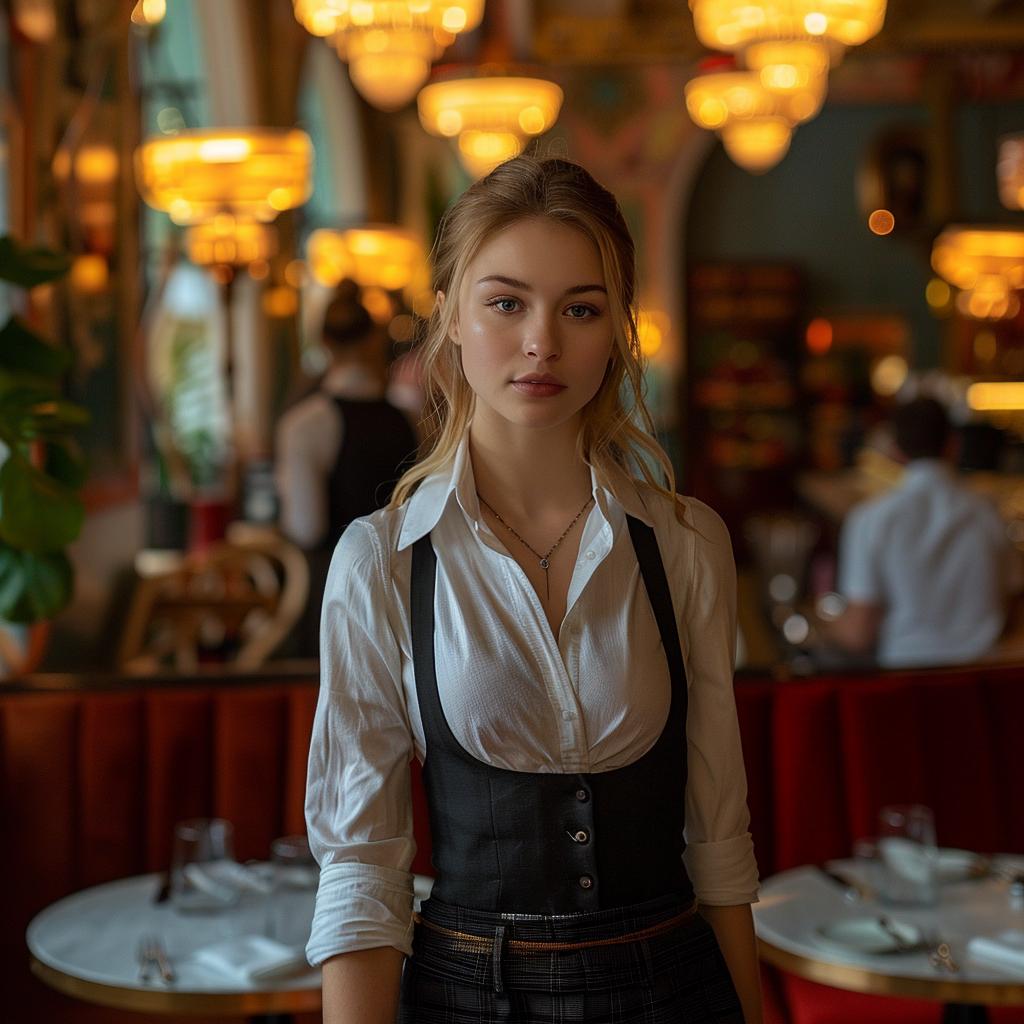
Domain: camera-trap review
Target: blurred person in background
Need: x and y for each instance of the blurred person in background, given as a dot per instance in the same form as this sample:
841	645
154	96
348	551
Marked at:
927	569
341	449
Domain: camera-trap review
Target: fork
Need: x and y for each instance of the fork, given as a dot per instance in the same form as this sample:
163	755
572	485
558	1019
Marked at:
151	951
145	960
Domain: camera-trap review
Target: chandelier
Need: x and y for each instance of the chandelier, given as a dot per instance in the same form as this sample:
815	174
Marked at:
251	173
986	264
731	25
230	240
491	116
375	256
787	47
389	45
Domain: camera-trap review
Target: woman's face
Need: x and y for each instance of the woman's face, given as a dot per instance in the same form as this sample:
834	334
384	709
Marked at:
534	327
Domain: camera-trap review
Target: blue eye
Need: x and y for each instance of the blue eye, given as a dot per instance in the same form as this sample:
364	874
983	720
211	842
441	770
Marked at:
507	305
578	312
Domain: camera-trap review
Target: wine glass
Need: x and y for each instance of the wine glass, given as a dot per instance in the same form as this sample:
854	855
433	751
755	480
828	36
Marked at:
296	876
200	846
907	850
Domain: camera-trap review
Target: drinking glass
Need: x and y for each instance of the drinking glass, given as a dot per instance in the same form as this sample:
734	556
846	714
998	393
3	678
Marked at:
200	846
908	854
292	900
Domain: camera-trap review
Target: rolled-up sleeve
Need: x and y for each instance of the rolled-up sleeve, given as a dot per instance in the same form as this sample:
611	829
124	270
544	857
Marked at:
719	852
358	805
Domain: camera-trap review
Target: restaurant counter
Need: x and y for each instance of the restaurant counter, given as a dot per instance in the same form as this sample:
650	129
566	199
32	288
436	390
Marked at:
95	771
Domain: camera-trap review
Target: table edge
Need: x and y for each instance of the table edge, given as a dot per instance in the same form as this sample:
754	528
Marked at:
170	1001
860	979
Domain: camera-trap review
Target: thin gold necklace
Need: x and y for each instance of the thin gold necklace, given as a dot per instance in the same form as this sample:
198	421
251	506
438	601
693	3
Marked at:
544	559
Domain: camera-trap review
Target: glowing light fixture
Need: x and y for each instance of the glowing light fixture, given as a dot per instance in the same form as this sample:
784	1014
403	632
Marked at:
229	240
252	173
889	374
986	264
819	336
492	117
731	25
881	222
1010	171
149	12
996	395
376	256
788	47
90	274
389	45
754	123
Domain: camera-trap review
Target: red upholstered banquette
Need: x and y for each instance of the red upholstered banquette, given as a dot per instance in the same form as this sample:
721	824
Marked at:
92	780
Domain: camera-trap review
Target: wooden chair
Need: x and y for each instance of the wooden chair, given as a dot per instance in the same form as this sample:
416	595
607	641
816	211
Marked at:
232	604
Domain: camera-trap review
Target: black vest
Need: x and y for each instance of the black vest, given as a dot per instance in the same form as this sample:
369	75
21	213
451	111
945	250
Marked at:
538	843
378	445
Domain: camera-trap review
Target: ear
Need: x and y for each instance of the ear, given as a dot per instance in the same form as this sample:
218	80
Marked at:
454	332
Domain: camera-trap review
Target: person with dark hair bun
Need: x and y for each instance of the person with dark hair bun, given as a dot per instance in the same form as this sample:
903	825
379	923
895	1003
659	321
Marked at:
550	629
340	450
927	570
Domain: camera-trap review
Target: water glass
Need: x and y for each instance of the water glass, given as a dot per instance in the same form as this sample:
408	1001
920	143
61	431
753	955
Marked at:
908	854
201	845
296	876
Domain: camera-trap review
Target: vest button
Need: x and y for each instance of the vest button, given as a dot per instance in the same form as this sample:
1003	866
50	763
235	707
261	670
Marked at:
581	836
582	795
586	882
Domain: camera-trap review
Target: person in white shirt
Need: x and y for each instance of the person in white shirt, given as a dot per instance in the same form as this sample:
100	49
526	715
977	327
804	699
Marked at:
927	569
541	621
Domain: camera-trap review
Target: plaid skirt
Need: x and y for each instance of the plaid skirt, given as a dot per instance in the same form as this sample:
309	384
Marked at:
673	977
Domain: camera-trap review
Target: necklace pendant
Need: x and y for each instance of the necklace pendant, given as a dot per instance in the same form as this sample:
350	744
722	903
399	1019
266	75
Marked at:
544	563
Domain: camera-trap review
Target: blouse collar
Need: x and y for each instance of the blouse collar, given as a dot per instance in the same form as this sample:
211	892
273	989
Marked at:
609	483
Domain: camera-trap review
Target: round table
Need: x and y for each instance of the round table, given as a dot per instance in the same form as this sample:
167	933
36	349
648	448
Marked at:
795	904
86	944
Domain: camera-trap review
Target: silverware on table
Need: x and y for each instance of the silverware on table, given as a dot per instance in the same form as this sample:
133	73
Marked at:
152	953
940	956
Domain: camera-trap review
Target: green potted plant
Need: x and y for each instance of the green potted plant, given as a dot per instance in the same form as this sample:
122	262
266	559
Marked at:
43	466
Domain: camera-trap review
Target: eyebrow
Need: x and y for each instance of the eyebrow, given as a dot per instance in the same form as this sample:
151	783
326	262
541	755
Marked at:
577	289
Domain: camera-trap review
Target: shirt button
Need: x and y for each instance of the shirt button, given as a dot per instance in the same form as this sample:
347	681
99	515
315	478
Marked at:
591	555
586	882
568	715
581	836
582	795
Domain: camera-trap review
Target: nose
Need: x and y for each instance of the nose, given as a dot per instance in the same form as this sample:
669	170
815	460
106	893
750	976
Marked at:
542	341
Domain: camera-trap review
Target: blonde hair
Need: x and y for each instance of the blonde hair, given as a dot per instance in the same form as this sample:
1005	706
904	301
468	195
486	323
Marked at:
563	192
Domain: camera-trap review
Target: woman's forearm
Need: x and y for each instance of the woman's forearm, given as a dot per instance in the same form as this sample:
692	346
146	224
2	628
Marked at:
362	987
734	929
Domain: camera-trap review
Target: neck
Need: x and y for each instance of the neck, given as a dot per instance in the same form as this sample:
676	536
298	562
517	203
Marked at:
529	473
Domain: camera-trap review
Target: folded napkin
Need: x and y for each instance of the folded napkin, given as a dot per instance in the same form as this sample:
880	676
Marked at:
252	958
225	879
1005	949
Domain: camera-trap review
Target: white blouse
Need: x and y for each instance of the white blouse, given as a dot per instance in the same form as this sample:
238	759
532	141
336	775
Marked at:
594	698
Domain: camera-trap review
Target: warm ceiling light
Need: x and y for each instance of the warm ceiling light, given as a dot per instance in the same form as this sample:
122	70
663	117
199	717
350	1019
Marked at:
389	45
253	173
987	264
1010	171
90	274
229	240
758	144
96	165
731	25
819	336
376	256
149	12
491	116
996	395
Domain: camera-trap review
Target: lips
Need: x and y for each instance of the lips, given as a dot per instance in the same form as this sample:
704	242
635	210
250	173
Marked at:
539	385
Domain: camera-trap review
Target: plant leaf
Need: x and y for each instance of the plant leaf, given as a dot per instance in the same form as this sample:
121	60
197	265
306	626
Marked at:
29	265
23	351
33	587
65	463
38	513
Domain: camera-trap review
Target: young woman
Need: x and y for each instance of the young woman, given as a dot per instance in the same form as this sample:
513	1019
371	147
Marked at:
541	621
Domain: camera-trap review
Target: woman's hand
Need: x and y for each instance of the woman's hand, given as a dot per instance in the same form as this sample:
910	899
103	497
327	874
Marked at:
734	929
362	987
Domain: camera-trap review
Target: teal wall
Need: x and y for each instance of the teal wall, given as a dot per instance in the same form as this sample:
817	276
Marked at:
805	211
